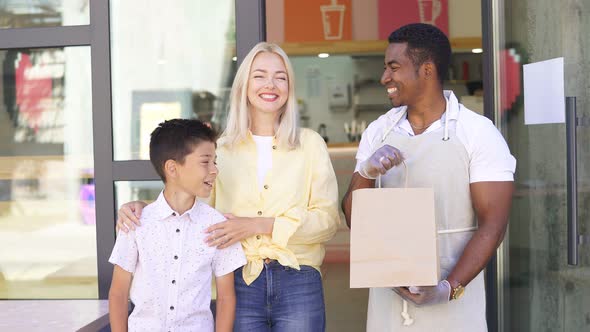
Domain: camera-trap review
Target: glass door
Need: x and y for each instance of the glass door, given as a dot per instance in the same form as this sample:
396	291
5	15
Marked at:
539	288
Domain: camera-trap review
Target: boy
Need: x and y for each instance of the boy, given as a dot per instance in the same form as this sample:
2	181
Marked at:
167	258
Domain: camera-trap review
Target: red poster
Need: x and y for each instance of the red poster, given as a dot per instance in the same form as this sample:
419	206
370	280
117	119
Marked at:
510	69
31	91
396	13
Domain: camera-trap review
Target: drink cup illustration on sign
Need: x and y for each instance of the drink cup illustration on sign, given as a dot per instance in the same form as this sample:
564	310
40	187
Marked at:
429	10
333	20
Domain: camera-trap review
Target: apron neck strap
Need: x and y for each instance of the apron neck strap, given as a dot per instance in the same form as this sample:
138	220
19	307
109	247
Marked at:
446	134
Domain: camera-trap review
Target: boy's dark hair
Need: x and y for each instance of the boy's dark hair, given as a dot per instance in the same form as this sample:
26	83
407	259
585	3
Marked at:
175	139
425	43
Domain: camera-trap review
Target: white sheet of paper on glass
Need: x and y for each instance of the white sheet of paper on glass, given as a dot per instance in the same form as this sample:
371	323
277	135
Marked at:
544	95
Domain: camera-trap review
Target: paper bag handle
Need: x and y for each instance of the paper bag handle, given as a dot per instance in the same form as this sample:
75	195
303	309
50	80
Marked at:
406	181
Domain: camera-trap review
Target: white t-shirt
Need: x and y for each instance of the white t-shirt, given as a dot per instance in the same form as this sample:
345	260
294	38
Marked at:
172	267
264	149
489	156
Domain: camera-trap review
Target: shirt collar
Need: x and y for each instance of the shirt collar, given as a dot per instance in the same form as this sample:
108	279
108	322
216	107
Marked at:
395	115
452	110
163	211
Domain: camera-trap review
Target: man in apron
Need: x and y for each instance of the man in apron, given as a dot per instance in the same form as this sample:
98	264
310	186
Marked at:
458	153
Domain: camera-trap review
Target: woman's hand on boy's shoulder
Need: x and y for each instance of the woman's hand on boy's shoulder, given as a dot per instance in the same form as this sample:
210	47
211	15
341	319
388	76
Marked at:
128	216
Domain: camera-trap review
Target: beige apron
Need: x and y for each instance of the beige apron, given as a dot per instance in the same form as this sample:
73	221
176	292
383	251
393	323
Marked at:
436	159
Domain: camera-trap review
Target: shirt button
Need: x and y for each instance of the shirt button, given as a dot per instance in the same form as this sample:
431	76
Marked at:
257	237
171	307
177	230
266	186
274	147
173	282
175	256
259	213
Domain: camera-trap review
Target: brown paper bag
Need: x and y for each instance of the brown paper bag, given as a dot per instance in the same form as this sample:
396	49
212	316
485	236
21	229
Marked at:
393	239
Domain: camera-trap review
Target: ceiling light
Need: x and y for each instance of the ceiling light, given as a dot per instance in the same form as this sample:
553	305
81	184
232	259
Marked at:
477	50
323	55
234	59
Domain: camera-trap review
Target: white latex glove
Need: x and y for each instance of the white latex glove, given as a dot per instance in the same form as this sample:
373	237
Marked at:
426	295
380	162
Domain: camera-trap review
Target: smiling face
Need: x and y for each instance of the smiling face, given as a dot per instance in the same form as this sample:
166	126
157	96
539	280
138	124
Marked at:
268	84
196	175
404	83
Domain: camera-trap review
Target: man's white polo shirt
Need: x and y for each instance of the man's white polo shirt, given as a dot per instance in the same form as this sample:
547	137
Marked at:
489	156
172	267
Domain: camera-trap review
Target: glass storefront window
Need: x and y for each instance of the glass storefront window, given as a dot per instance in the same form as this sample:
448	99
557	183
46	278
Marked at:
185	67
43	13
47	215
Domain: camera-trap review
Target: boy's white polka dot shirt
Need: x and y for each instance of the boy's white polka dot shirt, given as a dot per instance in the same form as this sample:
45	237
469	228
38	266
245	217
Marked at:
172	267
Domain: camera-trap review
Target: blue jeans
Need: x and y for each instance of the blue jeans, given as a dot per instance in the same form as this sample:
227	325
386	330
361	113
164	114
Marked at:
281	299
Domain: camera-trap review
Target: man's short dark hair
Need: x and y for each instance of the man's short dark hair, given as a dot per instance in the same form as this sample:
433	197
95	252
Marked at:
175	139
425	42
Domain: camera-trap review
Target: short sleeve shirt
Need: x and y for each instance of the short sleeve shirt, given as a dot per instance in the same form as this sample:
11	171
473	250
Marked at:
172	267
489	156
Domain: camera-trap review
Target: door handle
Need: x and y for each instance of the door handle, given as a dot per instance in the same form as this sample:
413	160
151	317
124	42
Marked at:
571	124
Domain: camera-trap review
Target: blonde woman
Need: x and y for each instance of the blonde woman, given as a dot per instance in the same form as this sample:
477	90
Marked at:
277	187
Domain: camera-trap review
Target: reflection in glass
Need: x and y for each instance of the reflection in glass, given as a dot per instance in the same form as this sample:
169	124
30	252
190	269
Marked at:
47	216
127	191
185	69
43	13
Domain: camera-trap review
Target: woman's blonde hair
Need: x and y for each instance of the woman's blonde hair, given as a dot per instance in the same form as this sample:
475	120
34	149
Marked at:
238	120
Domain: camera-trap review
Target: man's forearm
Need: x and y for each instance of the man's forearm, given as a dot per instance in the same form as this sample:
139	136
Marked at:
118	312
491	202
357	182
225	314
476	254
347	206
